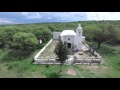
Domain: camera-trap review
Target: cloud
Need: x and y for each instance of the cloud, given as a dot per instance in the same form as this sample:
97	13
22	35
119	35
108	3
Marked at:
48	17
58	16
103	15
7	21
70	16
36	17
32	15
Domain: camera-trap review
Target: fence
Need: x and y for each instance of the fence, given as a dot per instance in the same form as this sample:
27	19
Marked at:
79	61
47	62
52	60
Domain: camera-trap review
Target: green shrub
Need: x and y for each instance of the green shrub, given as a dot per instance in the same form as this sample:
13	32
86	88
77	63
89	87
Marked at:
107	50
6	46
53	75
12	65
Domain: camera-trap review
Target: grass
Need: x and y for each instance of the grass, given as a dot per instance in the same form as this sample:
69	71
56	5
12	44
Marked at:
49	51
14	66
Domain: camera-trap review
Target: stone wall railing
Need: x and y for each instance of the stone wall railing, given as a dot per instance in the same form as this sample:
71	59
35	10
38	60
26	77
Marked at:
87	61
47	60
52	60
92	51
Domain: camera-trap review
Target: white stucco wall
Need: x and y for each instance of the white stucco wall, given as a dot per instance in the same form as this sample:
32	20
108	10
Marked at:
56	35
65	39
62	38
78	42
78	39
83	39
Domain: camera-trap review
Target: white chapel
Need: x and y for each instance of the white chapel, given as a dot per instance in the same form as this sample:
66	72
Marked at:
74	40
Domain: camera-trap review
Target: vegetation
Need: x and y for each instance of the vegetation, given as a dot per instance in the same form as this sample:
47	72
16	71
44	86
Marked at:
49	51
61	52
102	34
24	40
19	43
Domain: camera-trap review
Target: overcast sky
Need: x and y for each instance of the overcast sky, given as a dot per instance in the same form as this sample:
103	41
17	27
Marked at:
36	17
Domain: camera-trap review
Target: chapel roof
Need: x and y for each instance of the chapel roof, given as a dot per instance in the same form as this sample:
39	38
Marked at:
68	33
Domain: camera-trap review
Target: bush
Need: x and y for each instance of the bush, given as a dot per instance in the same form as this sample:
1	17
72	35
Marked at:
6	46
12	65
1	51
107	50
53	75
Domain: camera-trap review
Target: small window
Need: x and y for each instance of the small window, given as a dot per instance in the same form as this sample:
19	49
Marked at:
68	38
59	37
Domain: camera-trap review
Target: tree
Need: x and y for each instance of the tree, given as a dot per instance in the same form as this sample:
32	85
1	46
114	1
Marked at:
10	31
38	34
42	33
47	34
25	40
114	33
62	52
99	34
52	28
3	38
87	31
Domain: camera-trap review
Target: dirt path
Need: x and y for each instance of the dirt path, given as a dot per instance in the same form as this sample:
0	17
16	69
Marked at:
71	72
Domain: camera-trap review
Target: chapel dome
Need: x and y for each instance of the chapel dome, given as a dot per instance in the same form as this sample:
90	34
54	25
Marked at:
68	33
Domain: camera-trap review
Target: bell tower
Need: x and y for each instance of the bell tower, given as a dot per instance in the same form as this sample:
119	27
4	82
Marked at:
79	32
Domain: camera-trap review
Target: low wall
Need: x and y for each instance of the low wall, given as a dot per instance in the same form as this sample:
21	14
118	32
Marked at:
37	55
46	60
86	61
52	60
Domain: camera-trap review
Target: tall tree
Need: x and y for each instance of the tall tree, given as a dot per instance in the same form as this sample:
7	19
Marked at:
97	33
42	33
113	35
3	38
52	28
100	34
62	52
25	40
87	31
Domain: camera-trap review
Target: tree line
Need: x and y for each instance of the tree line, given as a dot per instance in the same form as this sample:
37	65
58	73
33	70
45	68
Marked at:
102	33
27	36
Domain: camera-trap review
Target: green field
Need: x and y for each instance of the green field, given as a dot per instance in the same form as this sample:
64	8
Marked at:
24	68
